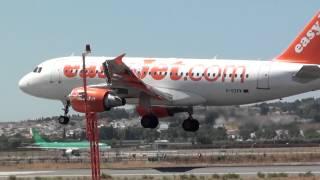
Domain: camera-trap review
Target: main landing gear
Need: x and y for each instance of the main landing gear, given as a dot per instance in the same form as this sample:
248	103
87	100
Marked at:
190	124
149	121
65	118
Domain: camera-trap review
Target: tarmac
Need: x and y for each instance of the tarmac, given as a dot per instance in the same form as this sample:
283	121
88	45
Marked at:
206	171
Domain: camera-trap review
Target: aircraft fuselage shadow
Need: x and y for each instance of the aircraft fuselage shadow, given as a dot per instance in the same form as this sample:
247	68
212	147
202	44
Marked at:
175	169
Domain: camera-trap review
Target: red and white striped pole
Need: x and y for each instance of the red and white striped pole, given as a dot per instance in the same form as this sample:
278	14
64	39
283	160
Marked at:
91	123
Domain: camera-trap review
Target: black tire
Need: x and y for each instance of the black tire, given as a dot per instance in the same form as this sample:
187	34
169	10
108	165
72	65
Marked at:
144	122
195	125
191	125
149	121
187	124
154	122
63	120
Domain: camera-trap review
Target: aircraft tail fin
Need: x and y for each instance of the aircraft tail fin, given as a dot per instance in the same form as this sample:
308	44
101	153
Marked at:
306	47
36	136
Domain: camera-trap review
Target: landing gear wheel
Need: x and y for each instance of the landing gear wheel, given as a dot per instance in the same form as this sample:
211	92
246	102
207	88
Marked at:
190	124
149	121
63	119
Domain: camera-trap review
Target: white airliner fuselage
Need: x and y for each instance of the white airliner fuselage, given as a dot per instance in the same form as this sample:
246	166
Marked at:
209	82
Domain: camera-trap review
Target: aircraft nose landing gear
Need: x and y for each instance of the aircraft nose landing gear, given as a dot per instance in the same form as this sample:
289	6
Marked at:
65	118
190	124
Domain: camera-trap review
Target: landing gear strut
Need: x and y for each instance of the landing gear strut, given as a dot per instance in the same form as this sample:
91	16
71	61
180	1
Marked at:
190	124
65	118
149	121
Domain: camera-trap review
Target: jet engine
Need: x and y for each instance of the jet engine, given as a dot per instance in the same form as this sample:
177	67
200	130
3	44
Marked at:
99	100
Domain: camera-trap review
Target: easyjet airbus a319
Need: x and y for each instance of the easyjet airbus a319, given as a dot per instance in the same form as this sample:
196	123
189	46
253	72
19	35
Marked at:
161	87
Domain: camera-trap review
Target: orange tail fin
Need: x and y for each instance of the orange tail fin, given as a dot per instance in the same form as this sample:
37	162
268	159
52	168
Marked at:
306	47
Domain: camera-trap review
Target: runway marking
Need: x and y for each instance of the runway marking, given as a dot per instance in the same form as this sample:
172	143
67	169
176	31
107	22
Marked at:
31	173
9	173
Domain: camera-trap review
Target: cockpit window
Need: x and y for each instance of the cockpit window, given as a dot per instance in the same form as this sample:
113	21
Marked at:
37	69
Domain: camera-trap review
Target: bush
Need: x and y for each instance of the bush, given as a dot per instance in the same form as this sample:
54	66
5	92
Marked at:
166	178
261	175
184	177
283	175
276	175
272	175
230	176
106	176
192	177
307	174
12	177
215	176
147	177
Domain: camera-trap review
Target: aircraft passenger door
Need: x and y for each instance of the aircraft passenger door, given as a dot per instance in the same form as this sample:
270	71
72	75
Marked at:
263	80
55	77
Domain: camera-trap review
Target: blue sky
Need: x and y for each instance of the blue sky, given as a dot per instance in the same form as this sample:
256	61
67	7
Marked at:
33	31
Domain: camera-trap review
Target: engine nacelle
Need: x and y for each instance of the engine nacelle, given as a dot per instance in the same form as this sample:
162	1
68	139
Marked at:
99	100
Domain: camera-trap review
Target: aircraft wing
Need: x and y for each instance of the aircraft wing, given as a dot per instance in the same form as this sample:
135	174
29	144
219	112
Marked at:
307	73
120	75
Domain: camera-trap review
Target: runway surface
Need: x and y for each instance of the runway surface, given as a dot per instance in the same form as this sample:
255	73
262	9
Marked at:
248	171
